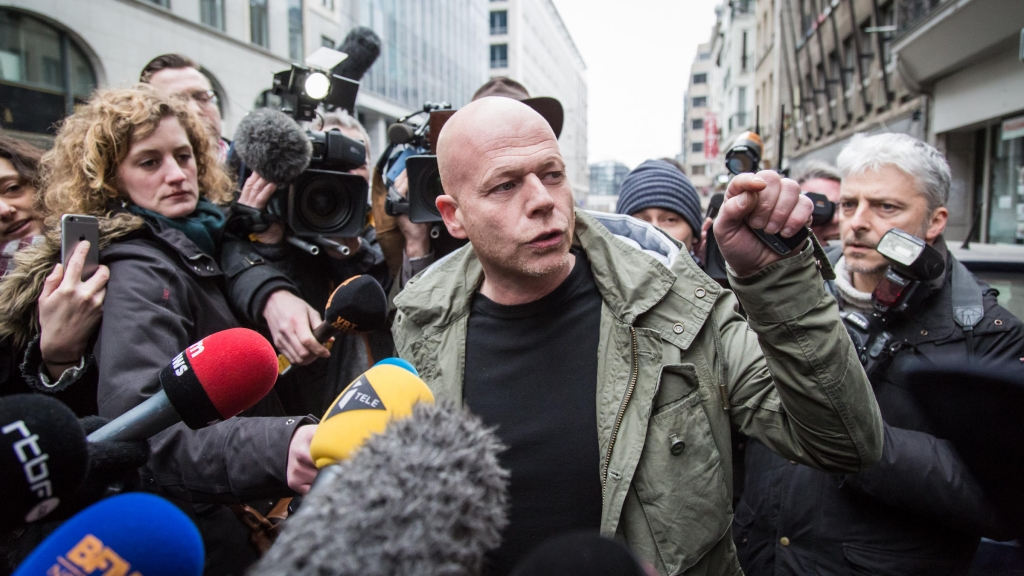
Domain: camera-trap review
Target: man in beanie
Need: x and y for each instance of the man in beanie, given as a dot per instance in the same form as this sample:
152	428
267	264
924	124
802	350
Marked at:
657	192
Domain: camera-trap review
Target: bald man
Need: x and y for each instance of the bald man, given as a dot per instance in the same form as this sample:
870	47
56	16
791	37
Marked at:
610	364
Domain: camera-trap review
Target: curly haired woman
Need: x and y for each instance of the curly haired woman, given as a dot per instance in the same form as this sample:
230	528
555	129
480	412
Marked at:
141	163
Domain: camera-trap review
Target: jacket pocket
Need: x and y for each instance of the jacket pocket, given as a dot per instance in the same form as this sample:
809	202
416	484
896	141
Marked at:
679	480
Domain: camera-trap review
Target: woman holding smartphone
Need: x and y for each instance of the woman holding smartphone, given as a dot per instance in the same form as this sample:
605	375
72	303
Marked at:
141	162
69	308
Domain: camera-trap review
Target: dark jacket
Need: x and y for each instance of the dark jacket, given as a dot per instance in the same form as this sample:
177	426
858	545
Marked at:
313	278
163	295
917	511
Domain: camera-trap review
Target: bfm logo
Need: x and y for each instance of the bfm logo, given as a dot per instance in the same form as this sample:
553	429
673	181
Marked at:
179	365
90	555
33	461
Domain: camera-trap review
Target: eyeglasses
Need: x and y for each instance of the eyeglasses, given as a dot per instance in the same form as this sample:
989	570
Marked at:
203	96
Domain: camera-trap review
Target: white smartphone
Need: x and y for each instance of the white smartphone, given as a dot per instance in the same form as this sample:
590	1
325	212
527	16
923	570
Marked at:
75	228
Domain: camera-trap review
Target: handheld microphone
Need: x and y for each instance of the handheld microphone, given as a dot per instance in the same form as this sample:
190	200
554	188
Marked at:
362	45
273	145
426	497
132	534
357	306
43	457
382	394
212	380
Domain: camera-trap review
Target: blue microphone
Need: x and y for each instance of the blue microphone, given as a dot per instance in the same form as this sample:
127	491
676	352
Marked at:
133	534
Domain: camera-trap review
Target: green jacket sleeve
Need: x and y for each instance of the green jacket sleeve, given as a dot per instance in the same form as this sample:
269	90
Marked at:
792	377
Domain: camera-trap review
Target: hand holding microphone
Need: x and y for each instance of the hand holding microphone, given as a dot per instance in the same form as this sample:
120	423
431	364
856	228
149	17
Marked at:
357	306
212	380
406	486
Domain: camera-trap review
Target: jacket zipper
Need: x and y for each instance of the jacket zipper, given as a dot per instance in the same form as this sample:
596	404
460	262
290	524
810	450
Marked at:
622	411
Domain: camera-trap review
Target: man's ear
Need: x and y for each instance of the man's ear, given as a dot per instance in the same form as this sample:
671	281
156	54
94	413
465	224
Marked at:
449	209
937	225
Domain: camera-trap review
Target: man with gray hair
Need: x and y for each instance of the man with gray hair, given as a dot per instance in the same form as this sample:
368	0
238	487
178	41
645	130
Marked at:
917	511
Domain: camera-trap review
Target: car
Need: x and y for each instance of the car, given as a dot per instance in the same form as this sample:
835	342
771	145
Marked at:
1001	266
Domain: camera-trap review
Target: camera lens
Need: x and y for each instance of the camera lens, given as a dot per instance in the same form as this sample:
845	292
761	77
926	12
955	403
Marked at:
739	163
324	205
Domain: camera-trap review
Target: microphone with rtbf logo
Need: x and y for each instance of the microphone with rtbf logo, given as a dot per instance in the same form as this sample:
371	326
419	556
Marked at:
43	457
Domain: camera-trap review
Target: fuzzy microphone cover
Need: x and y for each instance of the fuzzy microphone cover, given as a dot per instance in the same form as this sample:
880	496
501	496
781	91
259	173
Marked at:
425	497
272	145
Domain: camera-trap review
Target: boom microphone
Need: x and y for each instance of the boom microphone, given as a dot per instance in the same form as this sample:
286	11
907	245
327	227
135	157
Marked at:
212	380
43	457
384	393
137	534
401	133
272	145
363	47
426	497
357	306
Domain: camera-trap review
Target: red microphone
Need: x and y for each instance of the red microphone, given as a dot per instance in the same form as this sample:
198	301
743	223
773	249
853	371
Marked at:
212	380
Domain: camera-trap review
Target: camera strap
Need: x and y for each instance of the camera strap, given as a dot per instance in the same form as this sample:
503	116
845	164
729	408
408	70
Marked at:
968	304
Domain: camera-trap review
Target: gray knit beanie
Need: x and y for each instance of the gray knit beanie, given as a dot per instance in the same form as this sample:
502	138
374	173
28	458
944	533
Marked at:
658	184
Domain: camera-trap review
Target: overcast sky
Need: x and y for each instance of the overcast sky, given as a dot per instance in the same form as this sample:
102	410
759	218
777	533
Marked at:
638	55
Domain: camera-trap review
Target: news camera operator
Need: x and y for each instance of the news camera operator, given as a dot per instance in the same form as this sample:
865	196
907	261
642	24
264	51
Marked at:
320	373
917	511
142	163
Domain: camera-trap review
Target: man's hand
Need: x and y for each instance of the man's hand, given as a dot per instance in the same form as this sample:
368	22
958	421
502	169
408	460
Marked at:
70	310
764	201
417	243
291	323
301	470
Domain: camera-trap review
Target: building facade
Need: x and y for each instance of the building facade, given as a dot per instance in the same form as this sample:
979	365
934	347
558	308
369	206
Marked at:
530	44
732	86
967	57
605	180
699	129
55	52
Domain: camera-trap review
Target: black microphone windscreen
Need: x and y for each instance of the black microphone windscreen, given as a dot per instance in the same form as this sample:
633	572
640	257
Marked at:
43	456
579	554
363	47
424	497
272	145
400	133
358	305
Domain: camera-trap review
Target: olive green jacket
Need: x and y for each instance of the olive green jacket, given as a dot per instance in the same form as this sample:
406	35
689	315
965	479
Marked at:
676	365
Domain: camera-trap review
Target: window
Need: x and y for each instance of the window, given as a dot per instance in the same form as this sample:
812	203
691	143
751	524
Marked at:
329	4
325	41
295	43
259	33
697	170
164	3
700	101
741	99
499	55
499	22
211	13
701	78
43	73
704	56
743	55
697	124
696	147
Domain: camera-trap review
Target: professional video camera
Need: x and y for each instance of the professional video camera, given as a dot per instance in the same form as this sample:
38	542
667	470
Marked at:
413	148
322	199
912	264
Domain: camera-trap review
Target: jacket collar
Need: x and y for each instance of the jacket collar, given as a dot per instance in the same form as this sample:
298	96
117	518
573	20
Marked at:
631	281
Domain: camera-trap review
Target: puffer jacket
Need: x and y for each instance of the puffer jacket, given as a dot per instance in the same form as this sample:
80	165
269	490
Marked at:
918	511
676	366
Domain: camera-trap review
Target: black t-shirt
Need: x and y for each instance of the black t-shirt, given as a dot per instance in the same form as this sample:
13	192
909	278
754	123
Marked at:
531	370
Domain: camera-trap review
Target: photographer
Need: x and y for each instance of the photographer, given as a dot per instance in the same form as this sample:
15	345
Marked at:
819	177
918	511
319	374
